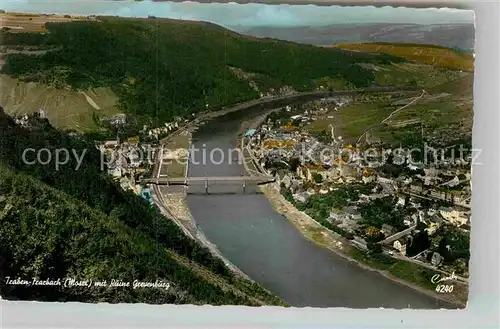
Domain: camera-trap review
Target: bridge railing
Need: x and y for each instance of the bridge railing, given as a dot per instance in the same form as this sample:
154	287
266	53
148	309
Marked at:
210	180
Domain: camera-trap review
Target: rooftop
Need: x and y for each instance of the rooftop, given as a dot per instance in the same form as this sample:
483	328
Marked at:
250	132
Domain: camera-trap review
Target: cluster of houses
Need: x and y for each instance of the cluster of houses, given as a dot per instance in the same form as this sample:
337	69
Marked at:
282	91
126	160
149	133
129	160
445	190
161	132
23	120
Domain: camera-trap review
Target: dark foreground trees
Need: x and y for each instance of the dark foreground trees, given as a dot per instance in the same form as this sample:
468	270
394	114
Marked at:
80	224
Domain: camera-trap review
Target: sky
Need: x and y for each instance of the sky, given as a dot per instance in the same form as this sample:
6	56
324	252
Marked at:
247	15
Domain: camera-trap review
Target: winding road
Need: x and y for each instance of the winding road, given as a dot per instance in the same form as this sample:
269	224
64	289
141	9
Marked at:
390	115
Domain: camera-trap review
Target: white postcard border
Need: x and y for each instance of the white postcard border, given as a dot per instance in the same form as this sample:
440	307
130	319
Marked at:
483	307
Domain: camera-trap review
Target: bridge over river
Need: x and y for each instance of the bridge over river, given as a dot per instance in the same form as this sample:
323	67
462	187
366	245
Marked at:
239	181
252	234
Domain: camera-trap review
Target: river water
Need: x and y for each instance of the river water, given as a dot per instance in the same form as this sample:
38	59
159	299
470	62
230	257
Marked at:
270	250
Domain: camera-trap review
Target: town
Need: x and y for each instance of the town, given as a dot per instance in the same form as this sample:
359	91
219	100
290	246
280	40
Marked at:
416	211
130	159
411	210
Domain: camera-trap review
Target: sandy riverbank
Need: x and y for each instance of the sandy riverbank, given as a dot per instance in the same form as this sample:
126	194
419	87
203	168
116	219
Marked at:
326	238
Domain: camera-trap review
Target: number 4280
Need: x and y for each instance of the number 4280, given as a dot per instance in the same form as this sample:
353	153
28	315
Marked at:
444	288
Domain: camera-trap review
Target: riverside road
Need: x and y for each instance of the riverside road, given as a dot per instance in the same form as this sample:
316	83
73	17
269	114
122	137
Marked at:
271	251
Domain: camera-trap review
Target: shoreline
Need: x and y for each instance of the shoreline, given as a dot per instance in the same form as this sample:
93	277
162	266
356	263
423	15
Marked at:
181	214
288	214
339	251
335	242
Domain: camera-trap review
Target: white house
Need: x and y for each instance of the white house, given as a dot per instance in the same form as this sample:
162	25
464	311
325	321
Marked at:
432	228
384	180
336	216
118	119
454	216
430	172
287	181
412	167
116	172
407	181
110	143
436	259
452	183
416	188
400	245
355	217
301	197
368	179
364	198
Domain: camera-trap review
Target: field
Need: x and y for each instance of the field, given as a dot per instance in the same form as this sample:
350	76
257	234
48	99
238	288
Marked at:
444	115
463	86
64	108
31	22
425	54
422	75
175	168
225	68
350	122
124	55
444	112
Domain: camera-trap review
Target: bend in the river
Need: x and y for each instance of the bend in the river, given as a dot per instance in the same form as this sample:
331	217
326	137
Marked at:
270	250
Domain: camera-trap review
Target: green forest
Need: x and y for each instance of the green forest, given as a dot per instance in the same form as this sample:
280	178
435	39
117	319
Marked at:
160	68
67	223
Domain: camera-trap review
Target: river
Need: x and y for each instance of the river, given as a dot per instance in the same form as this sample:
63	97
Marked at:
270	250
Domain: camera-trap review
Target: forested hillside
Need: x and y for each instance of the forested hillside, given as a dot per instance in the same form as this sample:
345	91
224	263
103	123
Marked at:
160	68
67	223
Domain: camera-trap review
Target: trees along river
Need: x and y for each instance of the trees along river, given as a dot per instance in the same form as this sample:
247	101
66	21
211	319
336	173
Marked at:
272	251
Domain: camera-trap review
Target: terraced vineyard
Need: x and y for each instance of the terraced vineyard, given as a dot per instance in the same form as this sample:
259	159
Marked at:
425	54
210	65
443	115
16	22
